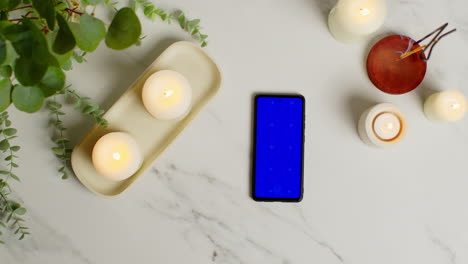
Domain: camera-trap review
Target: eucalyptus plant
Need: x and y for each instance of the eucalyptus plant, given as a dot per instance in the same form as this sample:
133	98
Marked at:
39	41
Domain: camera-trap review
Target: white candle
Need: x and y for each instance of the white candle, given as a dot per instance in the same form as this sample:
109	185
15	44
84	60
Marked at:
353	20
382	125
167	95
449	106
116	156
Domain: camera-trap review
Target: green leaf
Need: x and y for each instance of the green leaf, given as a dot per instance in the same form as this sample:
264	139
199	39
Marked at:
15	148
4	145
14	177
4	172
27	99
41	54
53	81
9	4
68	65
65	41
89	32
62	140
58	151
46	10
28	72
21	38
6	71
148	10
124	30
93	2
3	50
20	211
61	58
10	132
5	94
10	58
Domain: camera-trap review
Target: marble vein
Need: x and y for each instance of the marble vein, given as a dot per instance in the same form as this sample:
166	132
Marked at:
446	249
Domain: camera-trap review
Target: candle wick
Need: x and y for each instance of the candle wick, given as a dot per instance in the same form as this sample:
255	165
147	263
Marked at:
364	11
455	106
168	93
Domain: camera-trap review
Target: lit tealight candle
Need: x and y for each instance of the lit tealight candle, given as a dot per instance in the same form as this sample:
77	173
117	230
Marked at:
353	20
116	156
167	95
449	106
382	125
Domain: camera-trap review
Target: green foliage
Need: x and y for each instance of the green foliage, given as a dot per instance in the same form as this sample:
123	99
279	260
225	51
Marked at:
151	11
83	104
192	27
3	50
89	32
46	9
28	99
61	149
53	81
124	31
29	72
6	5
39	40
65	41
32	47
5	94
10	211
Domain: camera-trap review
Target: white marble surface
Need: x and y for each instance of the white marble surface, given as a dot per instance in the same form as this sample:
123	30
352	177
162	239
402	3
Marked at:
361	205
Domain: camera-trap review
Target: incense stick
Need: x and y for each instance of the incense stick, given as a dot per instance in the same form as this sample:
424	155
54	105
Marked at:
430	45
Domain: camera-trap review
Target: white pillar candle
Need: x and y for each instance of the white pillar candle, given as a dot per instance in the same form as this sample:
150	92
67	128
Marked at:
449	106
167	95
116	156
382	125
353	20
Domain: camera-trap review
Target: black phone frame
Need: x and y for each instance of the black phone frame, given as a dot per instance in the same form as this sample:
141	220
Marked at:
254	147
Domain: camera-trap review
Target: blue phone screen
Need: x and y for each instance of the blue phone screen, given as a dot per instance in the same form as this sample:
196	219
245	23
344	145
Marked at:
278	147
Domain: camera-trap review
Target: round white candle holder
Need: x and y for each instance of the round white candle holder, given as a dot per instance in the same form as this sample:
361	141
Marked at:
167	95
447	106
353	20
375	136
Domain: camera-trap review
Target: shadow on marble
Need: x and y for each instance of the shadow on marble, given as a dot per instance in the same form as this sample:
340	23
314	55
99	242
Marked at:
356	105
424	91
324	7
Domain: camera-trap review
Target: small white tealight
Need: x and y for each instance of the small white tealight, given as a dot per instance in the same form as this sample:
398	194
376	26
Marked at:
116	156
382	125
448	106
167	95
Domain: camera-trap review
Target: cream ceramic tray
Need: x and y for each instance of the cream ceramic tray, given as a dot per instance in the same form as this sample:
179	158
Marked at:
129	115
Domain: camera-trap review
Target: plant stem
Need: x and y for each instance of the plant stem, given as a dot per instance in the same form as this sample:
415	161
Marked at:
21	19
22	7
73	11
57	120
11	160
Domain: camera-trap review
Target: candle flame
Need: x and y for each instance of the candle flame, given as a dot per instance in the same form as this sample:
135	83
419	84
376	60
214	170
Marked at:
455	106
168	93
116	156
364	11
389	126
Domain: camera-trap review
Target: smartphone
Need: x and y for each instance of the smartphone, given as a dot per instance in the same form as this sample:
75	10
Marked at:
278	148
